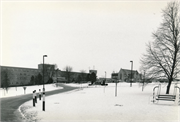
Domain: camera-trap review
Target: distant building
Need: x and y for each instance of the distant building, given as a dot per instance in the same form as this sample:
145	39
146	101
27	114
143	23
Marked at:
59	80
125	75
46	66
101	79
18	75
22	76
91	71
114	76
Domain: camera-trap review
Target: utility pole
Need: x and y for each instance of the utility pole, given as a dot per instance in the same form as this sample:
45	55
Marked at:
43	107
131	73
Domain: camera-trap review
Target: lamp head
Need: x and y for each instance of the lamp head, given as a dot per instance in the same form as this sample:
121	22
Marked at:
44	55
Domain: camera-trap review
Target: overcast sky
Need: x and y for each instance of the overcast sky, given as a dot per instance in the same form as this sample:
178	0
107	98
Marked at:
102	35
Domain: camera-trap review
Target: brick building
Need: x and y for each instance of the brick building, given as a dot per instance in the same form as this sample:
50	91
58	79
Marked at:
22	76
18	75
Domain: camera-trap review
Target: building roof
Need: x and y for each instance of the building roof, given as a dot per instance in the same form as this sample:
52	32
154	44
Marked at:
128	71
18	67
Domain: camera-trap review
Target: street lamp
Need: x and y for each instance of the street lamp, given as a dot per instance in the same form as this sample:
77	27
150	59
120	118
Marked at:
43	72
104	83
131	73
105	77
43	86
56	75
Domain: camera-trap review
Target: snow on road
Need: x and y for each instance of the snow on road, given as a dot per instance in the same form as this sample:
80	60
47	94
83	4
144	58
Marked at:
98	103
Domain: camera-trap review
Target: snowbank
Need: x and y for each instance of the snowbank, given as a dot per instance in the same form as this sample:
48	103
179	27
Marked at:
14	91
98	103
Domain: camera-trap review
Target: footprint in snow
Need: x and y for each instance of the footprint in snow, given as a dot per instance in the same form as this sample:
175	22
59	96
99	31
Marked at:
118	105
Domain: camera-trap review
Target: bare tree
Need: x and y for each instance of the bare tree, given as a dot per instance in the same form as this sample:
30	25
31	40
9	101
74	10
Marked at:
163	55
68	70
93	77
32	80
55	66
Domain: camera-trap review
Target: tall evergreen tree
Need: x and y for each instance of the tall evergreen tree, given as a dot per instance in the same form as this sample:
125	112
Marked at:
93	77
32	81
5	80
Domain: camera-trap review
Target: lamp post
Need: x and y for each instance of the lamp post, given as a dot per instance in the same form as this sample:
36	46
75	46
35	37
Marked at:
116	88
56	77
43	72
104	82
43	86
131	73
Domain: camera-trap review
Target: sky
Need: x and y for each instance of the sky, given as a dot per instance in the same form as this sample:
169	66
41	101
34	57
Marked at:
100	35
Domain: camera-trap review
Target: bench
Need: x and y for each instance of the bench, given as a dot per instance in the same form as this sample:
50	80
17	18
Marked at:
166	97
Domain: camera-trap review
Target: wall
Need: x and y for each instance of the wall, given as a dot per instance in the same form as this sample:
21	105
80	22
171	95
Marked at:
19	76
22	76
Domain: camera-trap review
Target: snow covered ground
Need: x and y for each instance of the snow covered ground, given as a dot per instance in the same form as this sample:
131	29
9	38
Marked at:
14	91
99	104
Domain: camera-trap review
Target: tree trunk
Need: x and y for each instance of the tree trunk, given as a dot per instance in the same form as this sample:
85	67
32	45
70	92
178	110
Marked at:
168	86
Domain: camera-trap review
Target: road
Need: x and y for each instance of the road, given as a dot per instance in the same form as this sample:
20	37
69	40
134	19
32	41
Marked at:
9	106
